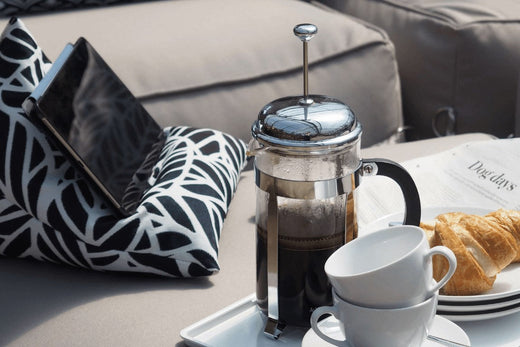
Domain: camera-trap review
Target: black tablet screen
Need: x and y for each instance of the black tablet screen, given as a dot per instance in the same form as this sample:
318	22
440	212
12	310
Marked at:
103	123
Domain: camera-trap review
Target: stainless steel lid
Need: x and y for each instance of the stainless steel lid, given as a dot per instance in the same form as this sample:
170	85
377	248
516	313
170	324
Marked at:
289	122
306	122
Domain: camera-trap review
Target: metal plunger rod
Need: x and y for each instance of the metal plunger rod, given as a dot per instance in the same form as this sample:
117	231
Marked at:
305	70
305	32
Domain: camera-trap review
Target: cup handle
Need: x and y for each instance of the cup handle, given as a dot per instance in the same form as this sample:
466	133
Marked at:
316	315
391	169
452	260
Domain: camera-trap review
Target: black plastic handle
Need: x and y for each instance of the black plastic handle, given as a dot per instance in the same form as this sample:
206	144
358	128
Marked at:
391	169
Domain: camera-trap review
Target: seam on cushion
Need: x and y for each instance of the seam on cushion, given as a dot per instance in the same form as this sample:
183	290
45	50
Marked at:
489	21
446	19
382	38
418	11
398	87
365	23
238	82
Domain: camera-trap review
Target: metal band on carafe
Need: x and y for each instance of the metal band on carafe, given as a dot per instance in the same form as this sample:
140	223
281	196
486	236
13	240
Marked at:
306	190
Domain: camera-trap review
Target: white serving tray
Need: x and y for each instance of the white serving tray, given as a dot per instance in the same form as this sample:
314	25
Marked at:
240	324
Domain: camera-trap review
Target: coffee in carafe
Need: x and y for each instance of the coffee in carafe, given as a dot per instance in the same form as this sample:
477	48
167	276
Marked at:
307	168
309	231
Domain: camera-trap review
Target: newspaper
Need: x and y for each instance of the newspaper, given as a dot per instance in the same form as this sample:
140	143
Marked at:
482	174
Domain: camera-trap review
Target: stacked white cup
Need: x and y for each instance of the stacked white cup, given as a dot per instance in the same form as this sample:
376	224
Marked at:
384	293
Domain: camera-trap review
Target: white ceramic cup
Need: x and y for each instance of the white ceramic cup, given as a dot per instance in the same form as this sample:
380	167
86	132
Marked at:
389	268
367	327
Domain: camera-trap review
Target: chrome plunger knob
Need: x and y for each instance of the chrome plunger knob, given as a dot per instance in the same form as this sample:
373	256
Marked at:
305	32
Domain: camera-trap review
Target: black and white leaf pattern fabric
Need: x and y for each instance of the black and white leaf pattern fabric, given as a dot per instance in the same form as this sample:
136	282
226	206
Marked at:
15	7
49	212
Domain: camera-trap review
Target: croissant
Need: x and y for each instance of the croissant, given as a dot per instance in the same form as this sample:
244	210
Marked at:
509	220
483	247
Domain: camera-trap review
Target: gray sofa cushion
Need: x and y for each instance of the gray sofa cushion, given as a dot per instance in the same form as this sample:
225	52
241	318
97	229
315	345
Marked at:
215	64
460	54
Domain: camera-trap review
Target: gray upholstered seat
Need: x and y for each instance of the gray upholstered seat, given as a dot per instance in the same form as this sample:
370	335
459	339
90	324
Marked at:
454	56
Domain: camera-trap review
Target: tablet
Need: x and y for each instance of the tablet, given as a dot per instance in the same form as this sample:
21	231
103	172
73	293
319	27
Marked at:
86	110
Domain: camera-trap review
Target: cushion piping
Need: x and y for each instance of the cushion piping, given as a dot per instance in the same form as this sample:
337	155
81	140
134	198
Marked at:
254	79
446	20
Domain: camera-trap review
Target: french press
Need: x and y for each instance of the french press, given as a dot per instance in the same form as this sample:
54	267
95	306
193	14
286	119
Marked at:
307	168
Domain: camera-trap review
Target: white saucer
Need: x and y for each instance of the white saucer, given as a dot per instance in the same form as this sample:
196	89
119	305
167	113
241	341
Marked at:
441	327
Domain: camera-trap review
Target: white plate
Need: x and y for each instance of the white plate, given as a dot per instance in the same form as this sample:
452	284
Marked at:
441	327
479	315
479	305
505	288
507	284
